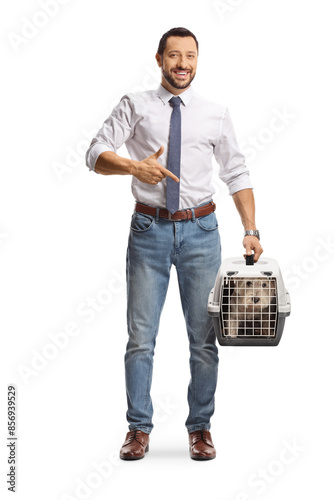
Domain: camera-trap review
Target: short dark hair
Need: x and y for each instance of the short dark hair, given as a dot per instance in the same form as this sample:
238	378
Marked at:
174	32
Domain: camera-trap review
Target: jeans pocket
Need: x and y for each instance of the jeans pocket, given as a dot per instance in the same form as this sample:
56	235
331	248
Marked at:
208	222
141	222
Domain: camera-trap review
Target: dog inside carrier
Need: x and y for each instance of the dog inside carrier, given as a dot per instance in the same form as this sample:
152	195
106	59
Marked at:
249	302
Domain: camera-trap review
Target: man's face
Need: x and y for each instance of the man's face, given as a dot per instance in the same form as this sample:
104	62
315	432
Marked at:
178	62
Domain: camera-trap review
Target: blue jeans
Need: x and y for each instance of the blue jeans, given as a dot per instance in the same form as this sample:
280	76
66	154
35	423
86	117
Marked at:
193	246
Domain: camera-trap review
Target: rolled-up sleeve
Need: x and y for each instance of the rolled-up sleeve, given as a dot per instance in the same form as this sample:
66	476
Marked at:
233	170
115	131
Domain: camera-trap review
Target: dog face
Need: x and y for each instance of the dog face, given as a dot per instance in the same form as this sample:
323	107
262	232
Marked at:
253	295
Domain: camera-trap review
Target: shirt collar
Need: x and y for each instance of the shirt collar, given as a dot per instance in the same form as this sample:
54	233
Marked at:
165	95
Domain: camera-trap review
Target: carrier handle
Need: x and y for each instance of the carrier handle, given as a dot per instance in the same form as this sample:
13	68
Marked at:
250	260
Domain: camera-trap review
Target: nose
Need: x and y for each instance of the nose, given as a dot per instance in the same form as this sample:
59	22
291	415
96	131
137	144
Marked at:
256	299
181	61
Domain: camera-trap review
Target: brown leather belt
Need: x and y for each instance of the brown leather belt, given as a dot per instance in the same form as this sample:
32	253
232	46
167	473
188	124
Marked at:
180	214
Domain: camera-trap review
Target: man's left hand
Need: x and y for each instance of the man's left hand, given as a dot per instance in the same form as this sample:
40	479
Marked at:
252	243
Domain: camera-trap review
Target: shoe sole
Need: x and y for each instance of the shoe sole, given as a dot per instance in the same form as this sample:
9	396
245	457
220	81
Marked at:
135	458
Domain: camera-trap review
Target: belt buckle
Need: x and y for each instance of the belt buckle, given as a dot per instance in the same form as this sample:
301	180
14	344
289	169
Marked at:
170	217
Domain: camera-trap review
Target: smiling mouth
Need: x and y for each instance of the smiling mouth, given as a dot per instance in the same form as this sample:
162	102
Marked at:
181	74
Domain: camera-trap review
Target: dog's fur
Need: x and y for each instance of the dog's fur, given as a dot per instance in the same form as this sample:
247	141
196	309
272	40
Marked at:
249	307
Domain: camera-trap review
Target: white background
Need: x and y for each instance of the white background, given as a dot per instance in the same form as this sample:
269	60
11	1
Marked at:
63	237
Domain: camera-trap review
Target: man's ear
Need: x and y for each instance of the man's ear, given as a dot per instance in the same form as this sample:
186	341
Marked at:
159	59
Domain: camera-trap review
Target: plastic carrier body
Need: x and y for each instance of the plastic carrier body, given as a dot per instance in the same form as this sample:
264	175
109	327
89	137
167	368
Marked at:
249	303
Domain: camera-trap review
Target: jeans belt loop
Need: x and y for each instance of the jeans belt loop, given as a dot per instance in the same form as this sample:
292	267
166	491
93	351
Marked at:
157	215
193	217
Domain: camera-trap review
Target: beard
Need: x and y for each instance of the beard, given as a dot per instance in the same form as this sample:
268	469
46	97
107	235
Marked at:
177	85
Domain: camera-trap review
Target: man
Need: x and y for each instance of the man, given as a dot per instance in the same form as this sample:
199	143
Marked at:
171	134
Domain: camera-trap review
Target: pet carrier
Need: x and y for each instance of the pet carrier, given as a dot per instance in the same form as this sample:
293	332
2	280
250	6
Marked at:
249	302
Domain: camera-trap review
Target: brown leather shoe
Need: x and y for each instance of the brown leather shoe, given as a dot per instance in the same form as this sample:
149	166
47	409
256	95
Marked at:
135	445
201	445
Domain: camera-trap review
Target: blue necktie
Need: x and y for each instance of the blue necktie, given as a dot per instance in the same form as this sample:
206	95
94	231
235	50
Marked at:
174	156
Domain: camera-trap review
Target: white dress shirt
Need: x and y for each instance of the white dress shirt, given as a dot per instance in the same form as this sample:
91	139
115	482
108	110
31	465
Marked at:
142	120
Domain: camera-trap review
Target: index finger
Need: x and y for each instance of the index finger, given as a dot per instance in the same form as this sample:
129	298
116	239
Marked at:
248	247
170	174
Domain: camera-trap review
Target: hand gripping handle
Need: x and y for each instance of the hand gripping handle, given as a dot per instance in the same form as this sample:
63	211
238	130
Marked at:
250	260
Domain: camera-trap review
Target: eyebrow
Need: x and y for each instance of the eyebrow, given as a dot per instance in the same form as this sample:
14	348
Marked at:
188	51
